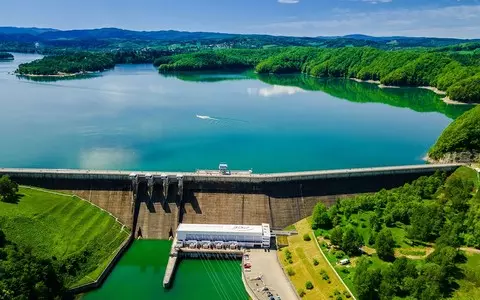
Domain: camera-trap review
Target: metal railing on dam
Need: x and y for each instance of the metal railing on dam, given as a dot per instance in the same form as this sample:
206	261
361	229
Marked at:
213	176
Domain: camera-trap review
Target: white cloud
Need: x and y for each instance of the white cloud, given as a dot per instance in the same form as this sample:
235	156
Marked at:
460	21
288	1
276	90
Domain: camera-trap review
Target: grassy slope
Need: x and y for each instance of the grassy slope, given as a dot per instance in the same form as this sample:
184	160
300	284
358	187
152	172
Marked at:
57	225
303	253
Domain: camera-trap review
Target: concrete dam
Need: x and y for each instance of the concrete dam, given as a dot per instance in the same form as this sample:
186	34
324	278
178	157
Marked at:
152	204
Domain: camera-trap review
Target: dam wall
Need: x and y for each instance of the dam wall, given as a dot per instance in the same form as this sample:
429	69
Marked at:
162	200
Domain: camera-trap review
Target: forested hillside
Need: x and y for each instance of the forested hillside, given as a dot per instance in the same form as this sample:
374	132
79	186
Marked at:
456	73
48	40
460	141
405	242
229	59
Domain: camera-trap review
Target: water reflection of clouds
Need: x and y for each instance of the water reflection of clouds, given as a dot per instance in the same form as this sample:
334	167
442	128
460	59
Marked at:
275	90
106	158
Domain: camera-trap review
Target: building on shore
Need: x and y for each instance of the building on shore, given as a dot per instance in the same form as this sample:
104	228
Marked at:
223	236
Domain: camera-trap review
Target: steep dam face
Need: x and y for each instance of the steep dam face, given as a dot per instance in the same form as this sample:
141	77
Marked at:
154	204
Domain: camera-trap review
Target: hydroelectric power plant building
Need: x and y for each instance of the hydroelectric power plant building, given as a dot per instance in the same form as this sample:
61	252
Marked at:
221	235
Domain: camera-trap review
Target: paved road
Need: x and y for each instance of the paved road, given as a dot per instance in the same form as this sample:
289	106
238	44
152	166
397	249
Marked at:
266	264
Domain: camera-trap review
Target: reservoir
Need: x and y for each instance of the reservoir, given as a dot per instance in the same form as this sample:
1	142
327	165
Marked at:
132	117
139	275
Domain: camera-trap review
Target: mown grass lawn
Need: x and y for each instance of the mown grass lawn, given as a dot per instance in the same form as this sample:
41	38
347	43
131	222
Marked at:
60	226
303	253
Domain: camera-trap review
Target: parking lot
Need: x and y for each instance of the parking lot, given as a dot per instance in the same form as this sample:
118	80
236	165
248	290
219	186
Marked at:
265	276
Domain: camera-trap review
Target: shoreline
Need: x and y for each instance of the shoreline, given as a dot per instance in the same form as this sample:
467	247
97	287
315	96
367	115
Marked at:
445	99
58	75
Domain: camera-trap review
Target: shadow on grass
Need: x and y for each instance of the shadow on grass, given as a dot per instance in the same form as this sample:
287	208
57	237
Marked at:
13	199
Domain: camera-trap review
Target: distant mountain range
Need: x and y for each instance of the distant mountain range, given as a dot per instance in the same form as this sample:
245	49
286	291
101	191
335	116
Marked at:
114	38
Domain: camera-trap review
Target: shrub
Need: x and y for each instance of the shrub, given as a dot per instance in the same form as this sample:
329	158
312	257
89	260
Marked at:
327	237
336	293
290	272
347	294
288	254
301	292
309	285
290	261
315	262
339	254
363	225
324	274
306	237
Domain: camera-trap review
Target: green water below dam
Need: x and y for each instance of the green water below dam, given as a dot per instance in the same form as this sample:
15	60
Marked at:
139	275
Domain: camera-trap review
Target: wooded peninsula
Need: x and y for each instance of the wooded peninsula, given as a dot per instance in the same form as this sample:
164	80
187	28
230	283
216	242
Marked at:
456	73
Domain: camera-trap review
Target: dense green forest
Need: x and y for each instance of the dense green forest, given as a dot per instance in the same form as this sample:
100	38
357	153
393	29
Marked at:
6	56
457	73
24	276
460	140
230	59
437	211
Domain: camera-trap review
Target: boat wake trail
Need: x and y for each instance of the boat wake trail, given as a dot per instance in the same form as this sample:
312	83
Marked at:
218	119
207	118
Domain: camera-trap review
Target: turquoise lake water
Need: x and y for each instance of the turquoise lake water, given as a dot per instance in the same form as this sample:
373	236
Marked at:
134	118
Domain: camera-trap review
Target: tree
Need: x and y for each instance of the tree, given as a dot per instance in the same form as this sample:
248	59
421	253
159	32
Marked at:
336	236
8	189
320	217
384	244
366	280
426	222
3	239
351	241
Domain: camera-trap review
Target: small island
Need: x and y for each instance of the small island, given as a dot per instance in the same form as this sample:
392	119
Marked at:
84	63
67	65
6	56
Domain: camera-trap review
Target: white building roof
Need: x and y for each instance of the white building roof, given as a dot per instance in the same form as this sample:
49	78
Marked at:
220	228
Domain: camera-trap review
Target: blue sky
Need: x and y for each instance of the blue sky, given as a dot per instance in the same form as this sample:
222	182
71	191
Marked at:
441	18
